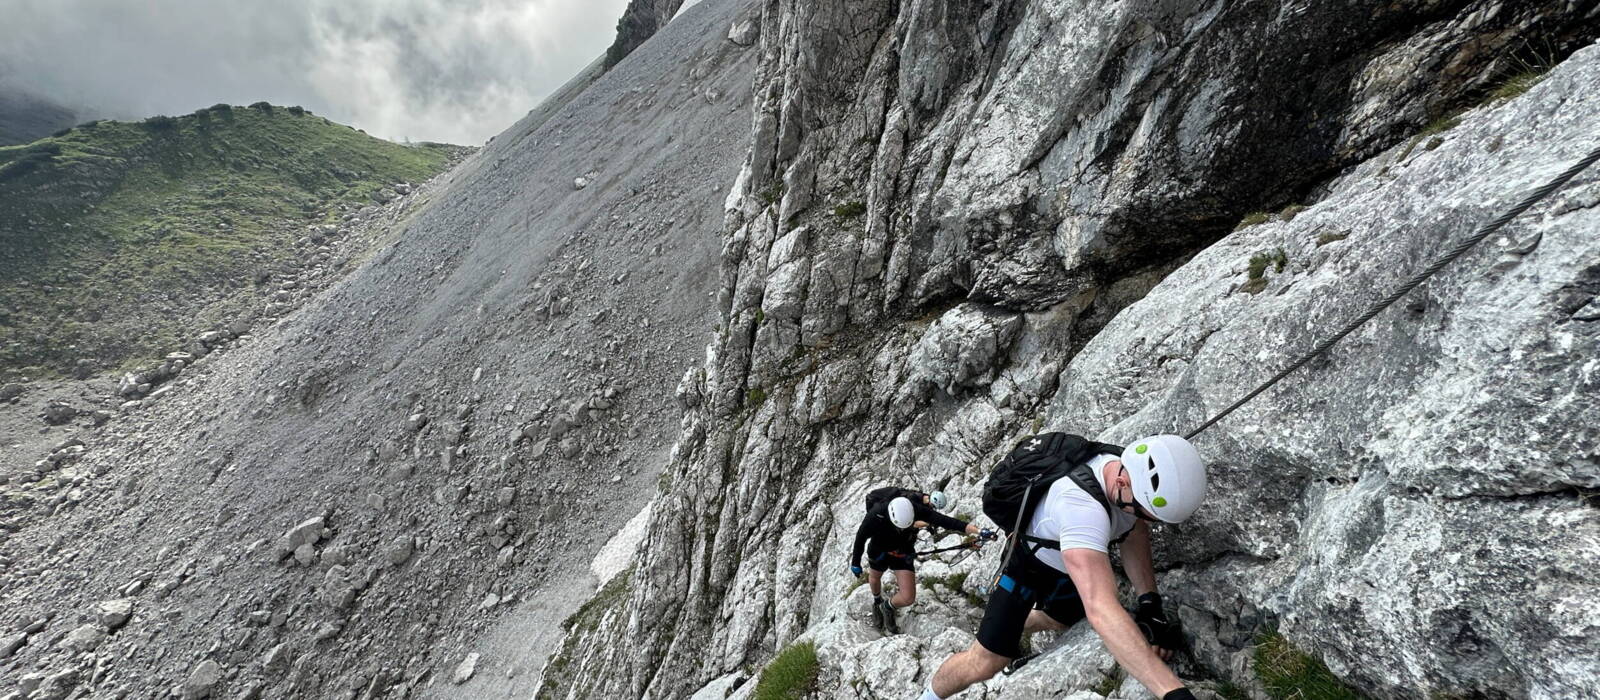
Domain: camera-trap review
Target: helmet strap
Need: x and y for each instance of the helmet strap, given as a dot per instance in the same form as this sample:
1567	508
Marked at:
1138	510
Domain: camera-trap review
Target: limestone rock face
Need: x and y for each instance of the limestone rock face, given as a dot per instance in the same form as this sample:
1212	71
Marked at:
963	348
943	241
639	22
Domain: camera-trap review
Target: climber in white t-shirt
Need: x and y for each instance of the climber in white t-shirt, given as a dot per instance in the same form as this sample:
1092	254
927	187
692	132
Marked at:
1070	515
1063	572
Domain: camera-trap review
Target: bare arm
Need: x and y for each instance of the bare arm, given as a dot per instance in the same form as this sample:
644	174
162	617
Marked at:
928	516
1137	562
1091	573
969	527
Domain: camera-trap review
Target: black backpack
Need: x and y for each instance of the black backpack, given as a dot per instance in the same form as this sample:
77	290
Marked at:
1022	479
879	496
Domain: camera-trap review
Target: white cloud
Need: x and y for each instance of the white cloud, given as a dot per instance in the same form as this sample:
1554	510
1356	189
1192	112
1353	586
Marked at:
441	70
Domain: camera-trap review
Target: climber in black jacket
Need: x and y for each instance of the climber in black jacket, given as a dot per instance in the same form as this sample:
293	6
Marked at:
891	527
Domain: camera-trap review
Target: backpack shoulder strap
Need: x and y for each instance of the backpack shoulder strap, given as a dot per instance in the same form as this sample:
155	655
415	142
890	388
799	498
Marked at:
1083	475
1080	473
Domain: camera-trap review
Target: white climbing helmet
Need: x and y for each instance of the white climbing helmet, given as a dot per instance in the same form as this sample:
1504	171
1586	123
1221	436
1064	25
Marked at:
901	513
1169	479
938	500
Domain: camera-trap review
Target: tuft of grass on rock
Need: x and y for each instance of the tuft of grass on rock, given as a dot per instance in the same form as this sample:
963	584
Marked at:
1291	674
957	582
791	675
850	210
1330	237
1252	219
772	194
589	615
1517	84
1259	263
585	621
1440	125
1528	68
1110	682
1429	137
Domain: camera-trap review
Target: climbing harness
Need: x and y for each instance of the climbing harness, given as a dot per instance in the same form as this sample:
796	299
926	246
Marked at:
1377	307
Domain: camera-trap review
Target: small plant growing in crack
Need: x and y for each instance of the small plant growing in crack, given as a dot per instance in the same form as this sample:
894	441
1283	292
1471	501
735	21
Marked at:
1252	219
1327	237
771	194
1259	263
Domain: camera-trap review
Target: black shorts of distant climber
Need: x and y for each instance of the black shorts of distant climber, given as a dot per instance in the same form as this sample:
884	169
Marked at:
1063	501
888	533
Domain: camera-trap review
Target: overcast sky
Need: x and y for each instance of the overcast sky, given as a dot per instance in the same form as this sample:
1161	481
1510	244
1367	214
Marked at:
458	71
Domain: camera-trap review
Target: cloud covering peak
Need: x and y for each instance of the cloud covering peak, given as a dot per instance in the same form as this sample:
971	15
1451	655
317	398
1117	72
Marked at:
458	71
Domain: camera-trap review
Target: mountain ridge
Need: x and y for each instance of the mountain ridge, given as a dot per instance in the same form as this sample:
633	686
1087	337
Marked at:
194	215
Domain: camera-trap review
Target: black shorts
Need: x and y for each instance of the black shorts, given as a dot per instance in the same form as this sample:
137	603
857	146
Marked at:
1019	591
899	561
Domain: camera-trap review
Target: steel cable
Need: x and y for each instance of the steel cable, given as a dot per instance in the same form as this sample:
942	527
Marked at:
1377	307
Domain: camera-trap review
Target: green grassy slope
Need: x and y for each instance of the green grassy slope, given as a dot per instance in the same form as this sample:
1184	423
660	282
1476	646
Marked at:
115	237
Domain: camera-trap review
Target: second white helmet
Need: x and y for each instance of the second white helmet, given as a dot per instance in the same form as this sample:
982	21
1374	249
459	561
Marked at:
1169	479
938	500
902	513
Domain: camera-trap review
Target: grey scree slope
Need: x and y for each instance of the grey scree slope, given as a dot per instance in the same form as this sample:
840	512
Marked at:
395	407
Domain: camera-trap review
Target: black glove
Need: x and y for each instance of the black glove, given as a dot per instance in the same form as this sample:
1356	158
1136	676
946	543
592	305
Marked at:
1178	694
1157	628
